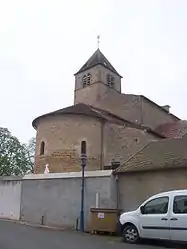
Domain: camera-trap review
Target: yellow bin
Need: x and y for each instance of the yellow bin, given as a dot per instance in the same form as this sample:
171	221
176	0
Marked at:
104	220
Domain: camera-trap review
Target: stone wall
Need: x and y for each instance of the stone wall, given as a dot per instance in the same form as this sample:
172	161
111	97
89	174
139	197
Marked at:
62	136
127	106
123	141
55	199
154	116
134	108
98	89
134	188
94	93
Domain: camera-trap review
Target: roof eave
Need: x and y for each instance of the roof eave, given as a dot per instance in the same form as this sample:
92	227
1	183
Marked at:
80	71
149	170
34	122
155	133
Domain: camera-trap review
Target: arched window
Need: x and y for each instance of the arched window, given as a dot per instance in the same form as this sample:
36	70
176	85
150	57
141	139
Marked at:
110	80
42	148
83	147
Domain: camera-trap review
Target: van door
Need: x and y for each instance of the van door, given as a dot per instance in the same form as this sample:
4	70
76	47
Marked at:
154	221
178	218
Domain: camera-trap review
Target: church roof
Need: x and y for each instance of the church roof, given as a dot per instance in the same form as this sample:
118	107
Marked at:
87	110
176	129
80	109
161	154
96	59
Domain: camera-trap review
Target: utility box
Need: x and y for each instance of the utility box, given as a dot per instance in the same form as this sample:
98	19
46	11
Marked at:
104	220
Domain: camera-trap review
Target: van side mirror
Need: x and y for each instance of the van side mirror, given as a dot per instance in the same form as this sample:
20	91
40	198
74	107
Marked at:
142	209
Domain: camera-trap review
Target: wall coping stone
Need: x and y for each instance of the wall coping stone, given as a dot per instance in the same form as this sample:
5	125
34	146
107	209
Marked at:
88	174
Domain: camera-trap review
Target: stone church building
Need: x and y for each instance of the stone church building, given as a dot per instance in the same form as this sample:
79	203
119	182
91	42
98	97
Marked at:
115	125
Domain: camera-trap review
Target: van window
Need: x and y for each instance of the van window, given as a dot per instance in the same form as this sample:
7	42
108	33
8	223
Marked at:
180	204
157	206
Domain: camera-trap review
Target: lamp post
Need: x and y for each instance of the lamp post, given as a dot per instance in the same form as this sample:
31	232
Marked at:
115	163
83	165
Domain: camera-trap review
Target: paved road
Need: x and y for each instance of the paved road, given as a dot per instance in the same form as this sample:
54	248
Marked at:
17	236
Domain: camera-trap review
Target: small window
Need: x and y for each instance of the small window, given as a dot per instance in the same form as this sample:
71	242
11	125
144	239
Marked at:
42	148
157	206
83	147
110	80
84	81
180	205
88	79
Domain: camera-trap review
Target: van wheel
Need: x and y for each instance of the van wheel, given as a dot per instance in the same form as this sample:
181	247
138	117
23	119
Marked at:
130	234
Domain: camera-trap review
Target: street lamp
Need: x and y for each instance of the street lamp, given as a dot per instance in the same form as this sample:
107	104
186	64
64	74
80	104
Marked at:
83	165
115	162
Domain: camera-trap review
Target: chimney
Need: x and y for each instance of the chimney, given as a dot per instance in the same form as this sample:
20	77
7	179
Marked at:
166	107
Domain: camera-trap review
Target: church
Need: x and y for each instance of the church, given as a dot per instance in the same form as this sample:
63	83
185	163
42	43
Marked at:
115	126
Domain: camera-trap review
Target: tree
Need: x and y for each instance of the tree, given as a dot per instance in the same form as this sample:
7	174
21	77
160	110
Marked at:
14	158
30	148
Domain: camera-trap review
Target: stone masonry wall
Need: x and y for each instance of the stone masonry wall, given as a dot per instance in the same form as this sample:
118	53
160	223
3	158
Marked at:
62	136
94	93
135	109
153	116
98	87
124	141
127	106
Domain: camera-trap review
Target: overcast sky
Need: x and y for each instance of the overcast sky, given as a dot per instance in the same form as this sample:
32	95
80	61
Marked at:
44	42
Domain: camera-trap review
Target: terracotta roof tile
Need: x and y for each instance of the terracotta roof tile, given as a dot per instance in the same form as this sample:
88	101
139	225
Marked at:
175	129
87	110
80	109
162	154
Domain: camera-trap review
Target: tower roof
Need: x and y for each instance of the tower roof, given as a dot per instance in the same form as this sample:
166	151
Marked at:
98	58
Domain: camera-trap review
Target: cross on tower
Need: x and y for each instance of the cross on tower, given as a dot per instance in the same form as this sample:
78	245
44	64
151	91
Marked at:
98	40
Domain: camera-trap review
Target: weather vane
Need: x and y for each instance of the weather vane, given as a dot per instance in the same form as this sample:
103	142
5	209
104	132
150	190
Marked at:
98	40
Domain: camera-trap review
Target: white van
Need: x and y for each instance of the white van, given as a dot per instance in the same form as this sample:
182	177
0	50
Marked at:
163	216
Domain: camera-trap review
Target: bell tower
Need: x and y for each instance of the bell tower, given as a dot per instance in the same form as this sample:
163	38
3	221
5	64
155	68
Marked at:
96	79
